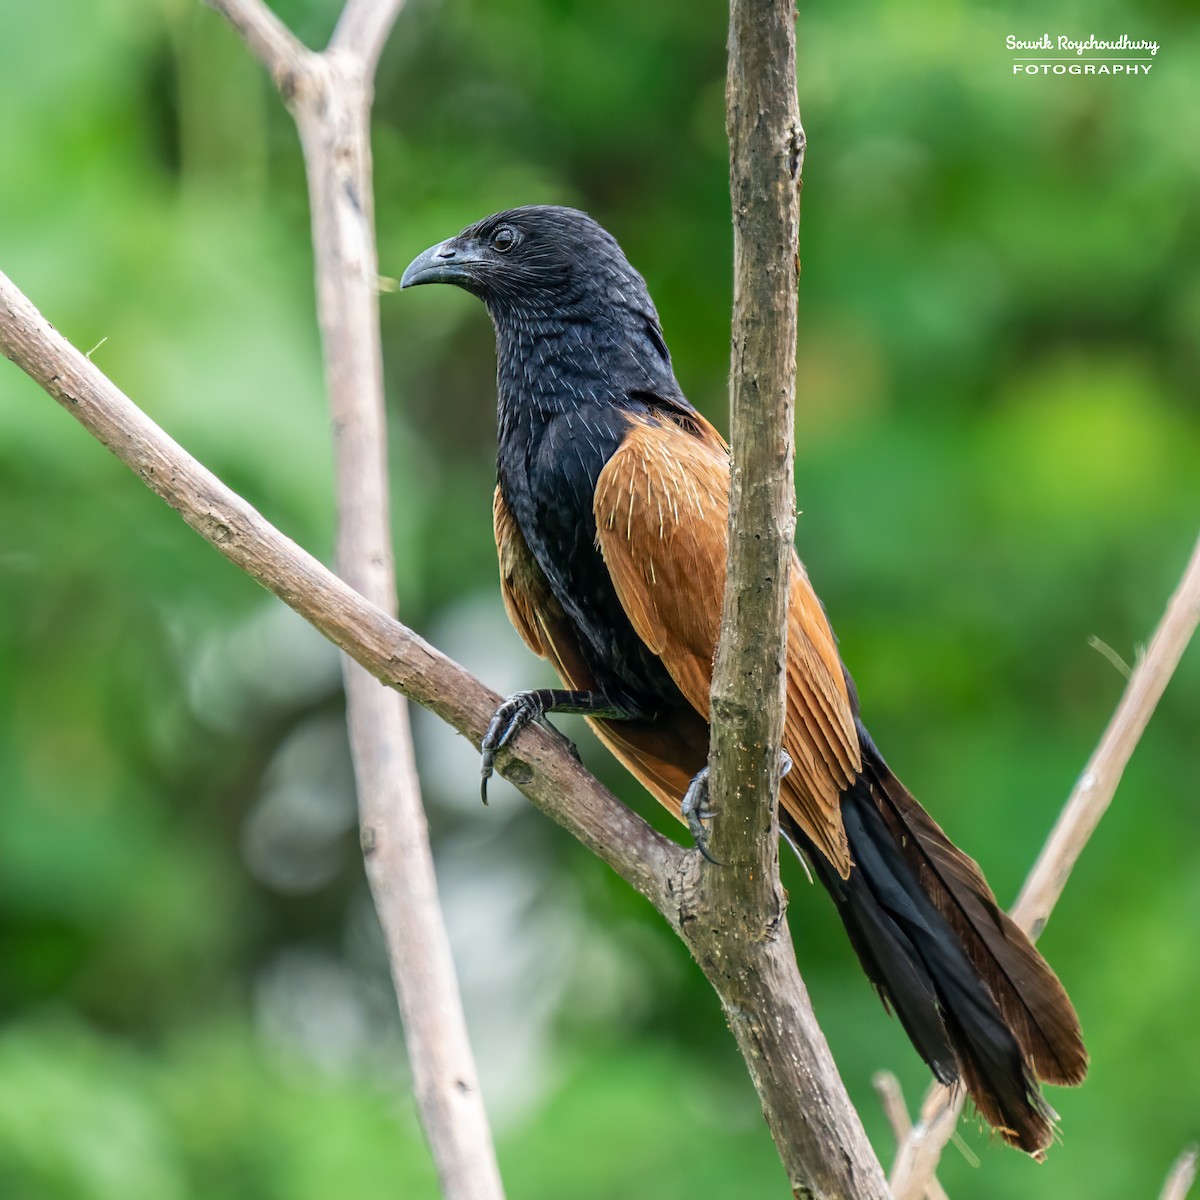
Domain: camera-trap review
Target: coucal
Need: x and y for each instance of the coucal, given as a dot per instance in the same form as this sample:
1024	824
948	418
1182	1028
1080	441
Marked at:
610	518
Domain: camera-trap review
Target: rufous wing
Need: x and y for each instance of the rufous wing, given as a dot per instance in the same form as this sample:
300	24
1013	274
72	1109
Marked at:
663	759
661	508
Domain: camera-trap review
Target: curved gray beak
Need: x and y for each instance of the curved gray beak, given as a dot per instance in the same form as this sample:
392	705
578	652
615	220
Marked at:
447	262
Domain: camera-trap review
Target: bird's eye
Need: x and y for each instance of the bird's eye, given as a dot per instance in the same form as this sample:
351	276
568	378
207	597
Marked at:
504	239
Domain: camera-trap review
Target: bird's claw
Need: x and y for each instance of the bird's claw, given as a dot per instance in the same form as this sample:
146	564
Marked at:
695	811
507	721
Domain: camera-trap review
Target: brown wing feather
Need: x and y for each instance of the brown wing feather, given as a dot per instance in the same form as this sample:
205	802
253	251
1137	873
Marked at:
522	584
661	509
664	761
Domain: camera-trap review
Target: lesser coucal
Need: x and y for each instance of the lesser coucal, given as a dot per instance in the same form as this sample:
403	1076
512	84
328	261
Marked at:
610	517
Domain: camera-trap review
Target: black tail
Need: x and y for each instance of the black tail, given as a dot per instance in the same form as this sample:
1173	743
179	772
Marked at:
979	1003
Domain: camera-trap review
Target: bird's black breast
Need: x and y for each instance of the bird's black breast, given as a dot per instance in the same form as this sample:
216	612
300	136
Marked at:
548	479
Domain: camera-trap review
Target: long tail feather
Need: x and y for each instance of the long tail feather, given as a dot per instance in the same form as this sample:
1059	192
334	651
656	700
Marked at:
1033	1002
917	963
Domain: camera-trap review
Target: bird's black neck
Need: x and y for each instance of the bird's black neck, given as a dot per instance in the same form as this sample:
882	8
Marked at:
576	357
560	416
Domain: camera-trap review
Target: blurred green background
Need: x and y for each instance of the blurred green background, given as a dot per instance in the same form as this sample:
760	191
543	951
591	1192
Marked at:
998	459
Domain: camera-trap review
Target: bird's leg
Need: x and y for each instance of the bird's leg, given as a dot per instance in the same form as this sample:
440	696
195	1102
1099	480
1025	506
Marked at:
523	707
695	811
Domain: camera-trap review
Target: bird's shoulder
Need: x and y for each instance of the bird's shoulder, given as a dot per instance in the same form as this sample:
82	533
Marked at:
661	505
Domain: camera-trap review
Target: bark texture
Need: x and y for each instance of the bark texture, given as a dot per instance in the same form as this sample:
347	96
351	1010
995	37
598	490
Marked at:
733	914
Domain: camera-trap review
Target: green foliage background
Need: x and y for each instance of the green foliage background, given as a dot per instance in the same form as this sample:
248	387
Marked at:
999	457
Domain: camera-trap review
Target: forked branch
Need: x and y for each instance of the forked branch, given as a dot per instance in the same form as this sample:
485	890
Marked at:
330	94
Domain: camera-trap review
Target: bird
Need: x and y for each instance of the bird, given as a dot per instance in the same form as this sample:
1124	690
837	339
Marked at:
610	515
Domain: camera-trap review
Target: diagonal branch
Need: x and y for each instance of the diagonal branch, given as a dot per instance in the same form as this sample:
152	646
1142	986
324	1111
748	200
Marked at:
1091	796
777	1017
891	1100
1182	1175
540	763
918	1155
777	1014
268	38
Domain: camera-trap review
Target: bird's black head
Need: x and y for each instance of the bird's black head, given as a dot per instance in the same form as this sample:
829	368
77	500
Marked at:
537	261
574	322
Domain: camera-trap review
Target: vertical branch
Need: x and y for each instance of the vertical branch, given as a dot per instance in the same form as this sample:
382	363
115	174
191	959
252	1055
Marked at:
918	1154
330	97
732	915
891	1099
363	29
766	151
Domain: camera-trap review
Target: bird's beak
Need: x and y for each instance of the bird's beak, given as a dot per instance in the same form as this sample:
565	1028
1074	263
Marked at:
447	262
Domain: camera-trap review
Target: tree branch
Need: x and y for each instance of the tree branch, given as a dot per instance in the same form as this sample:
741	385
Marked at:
733	914
1182	1175
766	150
330	97
363	28
918	1154
778	1020
891	1100
1091	796
268	38
540	764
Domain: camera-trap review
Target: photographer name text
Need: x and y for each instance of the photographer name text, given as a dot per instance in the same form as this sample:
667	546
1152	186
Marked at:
1104	55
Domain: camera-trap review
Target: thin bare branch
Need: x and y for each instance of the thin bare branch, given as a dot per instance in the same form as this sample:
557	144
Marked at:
330	97
891	1100
268	38
765	154
1182	1175
363	28
1096	786
918	1155
539	763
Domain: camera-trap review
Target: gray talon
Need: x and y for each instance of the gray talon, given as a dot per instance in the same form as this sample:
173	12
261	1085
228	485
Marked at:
507	721
695	811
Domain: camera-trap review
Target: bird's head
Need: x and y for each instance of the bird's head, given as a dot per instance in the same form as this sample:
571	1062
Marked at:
537	261
572	317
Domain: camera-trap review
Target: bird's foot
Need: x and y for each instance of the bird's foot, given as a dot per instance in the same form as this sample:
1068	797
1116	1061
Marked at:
695	809
523	707
507	721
